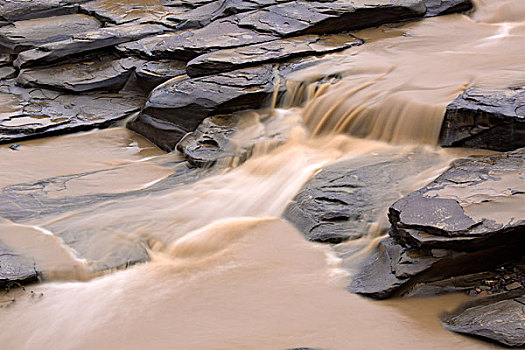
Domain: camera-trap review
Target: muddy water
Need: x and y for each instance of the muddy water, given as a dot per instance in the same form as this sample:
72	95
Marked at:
225	271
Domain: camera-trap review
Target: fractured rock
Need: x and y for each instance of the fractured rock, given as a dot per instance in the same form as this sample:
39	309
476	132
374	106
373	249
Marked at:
101	73
17	10
151	74
273	51
23	35
493	119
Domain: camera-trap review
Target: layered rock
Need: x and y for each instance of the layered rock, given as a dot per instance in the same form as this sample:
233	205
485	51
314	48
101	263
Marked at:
493	119
23	35
500	318
443	7
40	112
470	219
15	269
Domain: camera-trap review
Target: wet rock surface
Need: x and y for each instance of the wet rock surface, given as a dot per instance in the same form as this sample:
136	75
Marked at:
500	318
15	269
493	119
31	113
468	220
344	199
443	7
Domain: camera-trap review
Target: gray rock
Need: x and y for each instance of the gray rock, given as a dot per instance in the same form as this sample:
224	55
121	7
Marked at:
493	119
447	232
309	17
99	73
35	113
17	10
273	51
7	72
23	35
15	269
497	319
151	74
181	104
85	42
444	7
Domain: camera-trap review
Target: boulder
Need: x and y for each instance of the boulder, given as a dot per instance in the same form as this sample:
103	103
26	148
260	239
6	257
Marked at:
500	319
344	199
493	119
468	220
100	73
15	269
23	35
309	17
35	113
445	7
85	42
273	51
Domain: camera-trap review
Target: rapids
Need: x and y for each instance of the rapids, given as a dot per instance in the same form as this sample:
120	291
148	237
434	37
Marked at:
226	272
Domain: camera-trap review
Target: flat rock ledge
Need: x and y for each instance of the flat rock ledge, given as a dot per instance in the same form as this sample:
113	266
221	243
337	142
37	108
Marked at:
492	119
499	318
442	230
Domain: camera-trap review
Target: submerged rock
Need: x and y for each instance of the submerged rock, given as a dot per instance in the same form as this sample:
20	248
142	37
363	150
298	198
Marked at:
23	35
493	119
443	230
500	319
15	269
274	51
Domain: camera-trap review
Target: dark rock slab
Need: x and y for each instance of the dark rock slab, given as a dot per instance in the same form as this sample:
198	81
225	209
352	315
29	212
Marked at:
344	198
99	73
493	119
7	72
468	220
181	104
309	17
23	35
445	7
151	74
31	113
185	45
278	50
85	42
17	10
500	319
445	214
15	269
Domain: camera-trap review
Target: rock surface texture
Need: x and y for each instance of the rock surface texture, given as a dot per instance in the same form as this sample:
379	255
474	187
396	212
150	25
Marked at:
486	119
468	220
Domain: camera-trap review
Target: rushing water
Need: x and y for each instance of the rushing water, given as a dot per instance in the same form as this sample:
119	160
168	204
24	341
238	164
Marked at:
226	272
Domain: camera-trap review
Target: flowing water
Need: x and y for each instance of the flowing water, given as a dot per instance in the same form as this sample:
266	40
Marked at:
225	271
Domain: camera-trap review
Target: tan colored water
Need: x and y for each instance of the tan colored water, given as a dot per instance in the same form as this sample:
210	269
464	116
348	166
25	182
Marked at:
226	272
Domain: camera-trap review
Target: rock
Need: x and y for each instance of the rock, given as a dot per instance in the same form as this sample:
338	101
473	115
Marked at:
446	231
273	51
7	73
99	73
17	10
309	17
85	42
345	198
15	269
137	11
445	215
33	113
230	140
151	74
182	103
23	35
185	45
500	319
493	119
445	7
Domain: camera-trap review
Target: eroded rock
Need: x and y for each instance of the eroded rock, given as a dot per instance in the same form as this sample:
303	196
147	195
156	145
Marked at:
444	7
23	35
493	119
15	269
278	50
17	10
